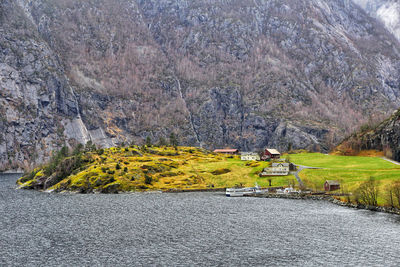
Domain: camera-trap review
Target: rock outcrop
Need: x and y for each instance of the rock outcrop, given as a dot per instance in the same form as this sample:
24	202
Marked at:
38	109
382	137
245	74
387	11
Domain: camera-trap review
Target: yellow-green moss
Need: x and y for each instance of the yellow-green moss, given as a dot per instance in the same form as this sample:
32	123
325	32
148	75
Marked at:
162	168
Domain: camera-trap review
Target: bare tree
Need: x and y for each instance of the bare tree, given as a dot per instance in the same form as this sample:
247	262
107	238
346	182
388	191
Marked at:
368	192
395	192
389	196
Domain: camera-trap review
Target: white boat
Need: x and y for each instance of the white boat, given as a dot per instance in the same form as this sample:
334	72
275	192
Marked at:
288	190
240	192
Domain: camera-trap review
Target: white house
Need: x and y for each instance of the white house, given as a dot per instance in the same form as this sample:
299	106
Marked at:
249	156
277	168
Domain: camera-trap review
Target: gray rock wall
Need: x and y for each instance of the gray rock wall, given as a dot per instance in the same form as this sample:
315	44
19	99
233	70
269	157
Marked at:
37	102
245	74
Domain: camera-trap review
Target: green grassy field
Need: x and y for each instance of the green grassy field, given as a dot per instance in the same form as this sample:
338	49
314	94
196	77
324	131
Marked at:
350	171
341	162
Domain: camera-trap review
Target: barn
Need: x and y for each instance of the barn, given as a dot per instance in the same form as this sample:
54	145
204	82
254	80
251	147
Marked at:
331	185
270	153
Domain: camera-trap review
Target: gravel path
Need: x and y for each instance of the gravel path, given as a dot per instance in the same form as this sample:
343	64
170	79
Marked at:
299	169
392	161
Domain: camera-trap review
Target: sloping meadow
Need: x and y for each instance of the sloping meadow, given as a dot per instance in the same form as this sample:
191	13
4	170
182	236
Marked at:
146	168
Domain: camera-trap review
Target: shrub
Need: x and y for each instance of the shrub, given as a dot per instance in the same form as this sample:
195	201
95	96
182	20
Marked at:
125	169
252	164
155	168
100	152
142	187
148	179
169	174
117	167
221	171
110	172
27	177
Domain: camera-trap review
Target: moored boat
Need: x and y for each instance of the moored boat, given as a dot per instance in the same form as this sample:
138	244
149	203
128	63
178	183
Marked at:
241	192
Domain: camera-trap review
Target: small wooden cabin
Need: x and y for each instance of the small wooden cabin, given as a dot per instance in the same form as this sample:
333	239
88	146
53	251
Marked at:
228	151
331	185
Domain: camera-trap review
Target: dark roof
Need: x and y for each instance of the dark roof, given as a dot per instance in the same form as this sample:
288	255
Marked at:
332	182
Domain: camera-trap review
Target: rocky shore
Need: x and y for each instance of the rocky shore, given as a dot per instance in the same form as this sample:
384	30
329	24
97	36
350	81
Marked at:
333	200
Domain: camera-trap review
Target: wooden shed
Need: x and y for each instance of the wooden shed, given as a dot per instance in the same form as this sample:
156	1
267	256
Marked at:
331	185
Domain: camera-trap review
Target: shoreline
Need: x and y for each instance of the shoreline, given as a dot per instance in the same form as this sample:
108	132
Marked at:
193	190
331	199
12	172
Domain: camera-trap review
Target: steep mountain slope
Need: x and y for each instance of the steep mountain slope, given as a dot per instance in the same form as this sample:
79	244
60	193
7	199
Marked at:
228	73
387	11
384	136
38	109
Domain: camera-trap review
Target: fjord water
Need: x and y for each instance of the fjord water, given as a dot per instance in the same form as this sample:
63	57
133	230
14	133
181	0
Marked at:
188	229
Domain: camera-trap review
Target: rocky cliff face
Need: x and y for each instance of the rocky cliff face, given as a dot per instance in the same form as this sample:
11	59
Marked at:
384	136
386	11
38	109
244	74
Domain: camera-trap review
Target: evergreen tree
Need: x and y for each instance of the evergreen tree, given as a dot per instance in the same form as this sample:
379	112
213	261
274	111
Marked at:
63	152
78	149
90	146
173	140
162	141
148	141
132	144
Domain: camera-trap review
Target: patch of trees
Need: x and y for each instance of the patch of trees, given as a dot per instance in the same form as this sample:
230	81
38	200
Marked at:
63	162
173	142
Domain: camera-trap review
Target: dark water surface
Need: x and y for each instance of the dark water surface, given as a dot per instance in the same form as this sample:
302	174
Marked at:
188	229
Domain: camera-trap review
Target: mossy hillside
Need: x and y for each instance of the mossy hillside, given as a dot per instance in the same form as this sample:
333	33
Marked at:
154	168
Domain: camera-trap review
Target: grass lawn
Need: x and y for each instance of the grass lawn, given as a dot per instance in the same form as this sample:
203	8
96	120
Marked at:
240	174
350	171
341	162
